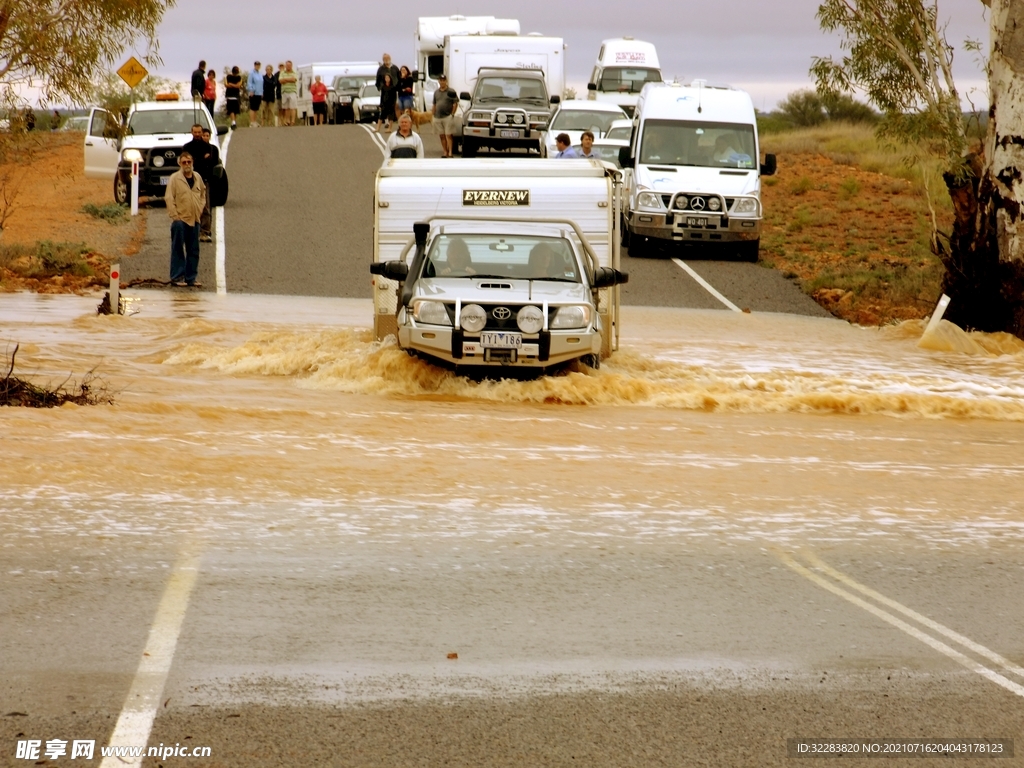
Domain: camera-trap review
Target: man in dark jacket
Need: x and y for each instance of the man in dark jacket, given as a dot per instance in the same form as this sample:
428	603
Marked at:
206	157
387	68
199	81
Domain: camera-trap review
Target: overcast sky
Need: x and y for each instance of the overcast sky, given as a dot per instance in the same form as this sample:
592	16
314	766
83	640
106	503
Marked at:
763	46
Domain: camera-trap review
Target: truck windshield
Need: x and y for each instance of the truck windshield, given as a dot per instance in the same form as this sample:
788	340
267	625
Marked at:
687	142
522	257
511	89
584	120
627	80
150	121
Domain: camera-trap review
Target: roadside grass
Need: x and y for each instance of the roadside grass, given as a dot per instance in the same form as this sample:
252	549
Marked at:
849	220
112	212
47	259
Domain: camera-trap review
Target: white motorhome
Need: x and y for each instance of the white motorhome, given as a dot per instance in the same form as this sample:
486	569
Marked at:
624	66
327	70
498	306
429	46
692	168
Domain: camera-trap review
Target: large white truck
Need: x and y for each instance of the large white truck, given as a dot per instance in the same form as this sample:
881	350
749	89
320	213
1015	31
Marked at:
429	46
624	66
692	169
513	262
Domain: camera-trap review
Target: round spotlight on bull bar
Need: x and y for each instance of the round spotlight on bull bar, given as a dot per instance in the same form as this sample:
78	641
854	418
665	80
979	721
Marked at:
530	319
502	117
473	318
158	161
681	202
518	119
714	204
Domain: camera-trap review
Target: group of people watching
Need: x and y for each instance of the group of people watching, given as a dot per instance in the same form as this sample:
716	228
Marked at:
272	96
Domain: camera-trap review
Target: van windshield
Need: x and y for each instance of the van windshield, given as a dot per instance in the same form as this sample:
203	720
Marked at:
688	142
151	121
627	79
435	65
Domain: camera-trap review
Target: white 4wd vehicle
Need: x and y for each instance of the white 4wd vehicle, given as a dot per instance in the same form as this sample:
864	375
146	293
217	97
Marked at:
153	136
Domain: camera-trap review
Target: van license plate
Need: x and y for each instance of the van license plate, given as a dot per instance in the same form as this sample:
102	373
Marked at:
692	221
501	340
165	180
509	134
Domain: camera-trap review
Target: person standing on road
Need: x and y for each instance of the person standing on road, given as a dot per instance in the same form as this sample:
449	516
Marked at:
318	93
405	86
269	97
233	95
199	80
564	145
289	80
205	158
446	101
405	139
387	68
388	101
210	91
255	87
184	199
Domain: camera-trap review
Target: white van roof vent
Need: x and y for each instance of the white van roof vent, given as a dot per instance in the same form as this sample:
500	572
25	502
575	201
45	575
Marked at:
503	27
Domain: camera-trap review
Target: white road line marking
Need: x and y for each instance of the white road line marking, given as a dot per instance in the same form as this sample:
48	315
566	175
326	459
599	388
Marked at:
377	139
914	632
706	285
981	650
220	258
143	702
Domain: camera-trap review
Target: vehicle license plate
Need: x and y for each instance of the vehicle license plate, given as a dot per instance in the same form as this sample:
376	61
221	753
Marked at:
497	340
165	180
692	221
509	134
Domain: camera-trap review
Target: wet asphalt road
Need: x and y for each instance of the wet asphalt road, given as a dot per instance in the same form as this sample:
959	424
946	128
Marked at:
299	222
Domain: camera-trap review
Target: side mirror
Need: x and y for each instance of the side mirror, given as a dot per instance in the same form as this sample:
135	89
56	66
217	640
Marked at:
556	99
606	277
591	86
769	166
392	270
465	96
221	130
624	158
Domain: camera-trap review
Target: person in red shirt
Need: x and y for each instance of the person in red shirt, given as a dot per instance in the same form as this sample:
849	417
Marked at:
319	93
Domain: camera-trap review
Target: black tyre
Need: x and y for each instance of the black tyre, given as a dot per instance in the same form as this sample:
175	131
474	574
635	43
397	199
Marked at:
639	247
468	147
122	188
456	146
750	251
591	361
626	236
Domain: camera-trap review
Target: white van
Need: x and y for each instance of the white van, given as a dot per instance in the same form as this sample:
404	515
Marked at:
692	169
327	70
429	46
624	66
499	306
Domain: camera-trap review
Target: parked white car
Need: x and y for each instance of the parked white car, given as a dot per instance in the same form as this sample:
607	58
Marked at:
576	116
607	150
366	103
620	129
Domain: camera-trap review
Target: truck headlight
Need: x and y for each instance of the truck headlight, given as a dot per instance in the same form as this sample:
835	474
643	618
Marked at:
431	313
745	205
649	200
571	317
473	318
530	319
132	155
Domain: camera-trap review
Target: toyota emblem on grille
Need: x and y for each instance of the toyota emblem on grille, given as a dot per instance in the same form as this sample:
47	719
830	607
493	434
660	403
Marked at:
697	203
502	313
169	154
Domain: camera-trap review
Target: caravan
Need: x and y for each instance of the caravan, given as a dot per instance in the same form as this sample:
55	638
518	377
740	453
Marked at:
624	66
693	174
327	71
430	34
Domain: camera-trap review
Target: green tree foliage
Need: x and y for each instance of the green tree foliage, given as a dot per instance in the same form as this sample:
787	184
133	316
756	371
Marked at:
803	109
61	45
113	94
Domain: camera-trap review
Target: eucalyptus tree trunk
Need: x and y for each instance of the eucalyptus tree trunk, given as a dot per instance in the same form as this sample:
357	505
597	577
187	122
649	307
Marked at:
985	266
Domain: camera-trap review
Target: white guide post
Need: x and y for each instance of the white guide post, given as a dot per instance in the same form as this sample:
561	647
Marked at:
115	289
135	188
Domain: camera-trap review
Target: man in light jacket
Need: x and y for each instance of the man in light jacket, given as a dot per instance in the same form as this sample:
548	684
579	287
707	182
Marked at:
405	139
185	198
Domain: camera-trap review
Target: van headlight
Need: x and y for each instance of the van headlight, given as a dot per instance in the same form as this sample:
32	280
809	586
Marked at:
571	317
649	200
747	205
530	319
132	155
473	318
431	313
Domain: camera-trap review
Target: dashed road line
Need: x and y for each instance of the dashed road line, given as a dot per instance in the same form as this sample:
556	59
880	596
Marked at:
143	702
938	645
220	255
706	285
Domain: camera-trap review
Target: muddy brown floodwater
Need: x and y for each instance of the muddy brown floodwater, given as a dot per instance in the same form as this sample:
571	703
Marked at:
275	431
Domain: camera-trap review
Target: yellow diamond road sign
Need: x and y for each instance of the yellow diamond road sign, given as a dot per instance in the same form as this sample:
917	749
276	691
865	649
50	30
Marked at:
132	72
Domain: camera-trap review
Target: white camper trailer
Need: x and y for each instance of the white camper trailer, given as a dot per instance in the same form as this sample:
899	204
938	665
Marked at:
429	45
624	66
